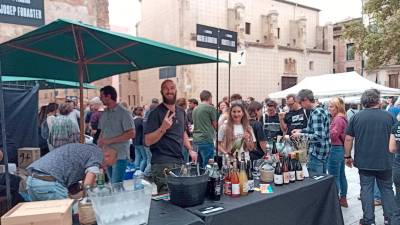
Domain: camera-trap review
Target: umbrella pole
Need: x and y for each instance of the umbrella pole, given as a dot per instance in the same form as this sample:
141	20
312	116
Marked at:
81	108
81	67
4	141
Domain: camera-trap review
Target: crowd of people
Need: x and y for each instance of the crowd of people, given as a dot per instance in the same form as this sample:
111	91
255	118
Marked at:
174	131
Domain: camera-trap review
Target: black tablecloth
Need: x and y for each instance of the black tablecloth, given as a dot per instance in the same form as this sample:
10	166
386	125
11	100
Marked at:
164	213
309	202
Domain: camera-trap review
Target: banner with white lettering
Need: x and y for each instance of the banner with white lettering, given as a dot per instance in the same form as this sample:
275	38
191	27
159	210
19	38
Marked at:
23	12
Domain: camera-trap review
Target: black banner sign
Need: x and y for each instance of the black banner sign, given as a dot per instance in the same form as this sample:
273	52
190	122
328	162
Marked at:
23	12
212	37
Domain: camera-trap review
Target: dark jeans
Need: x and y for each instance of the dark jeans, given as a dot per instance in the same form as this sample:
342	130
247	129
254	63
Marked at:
116	172
336	168
206	152
384	181
157	171
316	166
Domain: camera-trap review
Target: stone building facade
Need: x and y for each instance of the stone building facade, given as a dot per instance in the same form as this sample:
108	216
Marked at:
93	12
346	59
280	42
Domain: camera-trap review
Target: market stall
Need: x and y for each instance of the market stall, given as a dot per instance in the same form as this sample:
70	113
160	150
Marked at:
302	203
338	84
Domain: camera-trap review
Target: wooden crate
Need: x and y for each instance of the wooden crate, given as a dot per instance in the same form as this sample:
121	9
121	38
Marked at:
26	156
54	212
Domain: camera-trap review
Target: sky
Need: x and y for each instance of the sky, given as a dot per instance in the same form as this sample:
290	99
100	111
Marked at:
334	10
126	13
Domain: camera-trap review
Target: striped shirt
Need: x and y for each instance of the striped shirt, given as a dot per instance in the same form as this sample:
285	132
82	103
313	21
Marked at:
63	131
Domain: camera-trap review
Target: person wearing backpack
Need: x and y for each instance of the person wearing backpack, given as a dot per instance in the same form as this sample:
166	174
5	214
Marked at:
47	124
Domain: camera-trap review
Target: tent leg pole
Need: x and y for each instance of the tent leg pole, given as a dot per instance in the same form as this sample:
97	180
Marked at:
4	141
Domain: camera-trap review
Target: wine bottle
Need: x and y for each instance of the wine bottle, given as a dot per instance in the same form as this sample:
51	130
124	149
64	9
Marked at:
285	171
244	190
278	177
227	182
235	182
250	178
237	160
275	152
299	169
101	189
292	170
169	172
215	184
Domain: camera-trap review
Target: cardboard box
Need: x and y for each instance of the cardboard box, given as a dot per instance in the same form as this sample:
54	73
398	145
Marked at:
12	168
26	156
54	212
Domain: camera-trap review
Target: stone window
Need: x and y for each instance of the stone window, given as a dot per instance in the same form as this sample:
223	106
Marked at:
350	51
394	80
334	53
248	27
290	66
311	65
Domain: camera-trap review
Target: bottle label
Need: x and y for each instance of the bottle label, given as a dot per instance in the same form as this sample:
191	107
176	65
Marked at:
277	157
250	184
245	187
235	189
278	179
299	175
292	175
286	177
217	188
228	188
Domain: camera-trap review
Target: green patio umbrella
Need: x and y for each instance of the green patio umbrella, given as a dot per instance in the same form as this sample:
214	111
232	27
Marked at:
45	84
74	51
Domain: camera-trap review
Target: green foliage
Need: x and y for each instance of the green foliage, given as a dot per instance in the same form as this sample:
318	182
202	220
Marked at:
380	40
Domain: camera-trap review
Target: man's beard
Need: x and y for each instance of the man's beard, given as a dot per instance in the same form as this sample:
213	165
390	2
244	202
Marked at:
168	101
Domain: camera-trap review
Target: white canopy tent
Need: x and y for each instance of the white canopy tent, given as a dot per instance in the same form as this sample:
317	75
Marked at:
348	85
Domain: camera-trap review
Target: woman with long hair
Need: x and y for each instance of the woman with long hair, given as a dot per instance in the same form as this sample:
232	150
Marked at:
336	158
236	136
